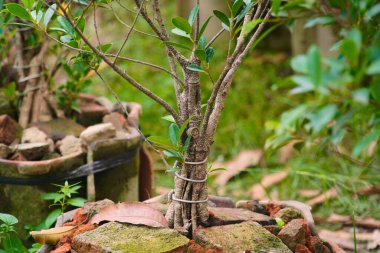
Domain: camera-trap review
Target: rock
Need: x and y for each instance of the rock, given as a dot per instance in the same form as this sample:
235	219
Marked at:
33	135
4	151
105	102
33	151
272	208
300	248
98	132
57	129
222	201
295	232
274	229
69	145
91	113
223	216
122	135
252	205
237	238
116	119
316	245
9	129
114	237
289	213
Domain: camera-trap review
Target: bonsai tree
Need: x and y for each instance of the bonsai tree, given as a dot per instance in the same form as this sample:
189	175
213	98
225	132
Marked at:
193	130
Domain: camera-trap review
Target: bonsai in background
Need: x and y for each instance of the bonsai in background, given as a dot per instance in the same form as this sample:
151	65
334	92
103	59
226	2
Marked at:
189	55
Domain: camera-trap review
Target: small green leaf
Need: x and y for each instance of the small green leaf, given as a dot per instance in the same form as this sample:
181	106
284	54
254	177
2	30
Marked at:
280	222
172	170
222	17
169	118
66	26
276	6
216	169
8	219
236	7
172	153
65	38
49	14
204	26
299	64
361	96
314	65
374	68
365	141
247	28
52	196
244	11
375	90
174	44
183	127
187	144
319	21
18	11
195	68
193	15
181	33
200	54
322	117
202	42
105	47
162	142
209	54
78	202
28	3
173	134
52	218
182	24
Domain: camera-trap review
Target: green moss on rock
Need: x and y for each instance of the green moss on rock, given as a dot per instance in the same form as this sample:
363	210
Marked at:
123	238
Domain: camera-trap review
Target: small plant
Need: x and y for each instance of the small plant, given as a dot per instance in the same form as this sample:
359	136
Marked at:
9	241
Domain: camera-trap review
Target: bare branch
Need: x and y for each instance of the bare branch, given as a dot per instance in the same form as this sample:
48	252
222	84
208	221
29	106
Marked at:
130	31
214	38
132	81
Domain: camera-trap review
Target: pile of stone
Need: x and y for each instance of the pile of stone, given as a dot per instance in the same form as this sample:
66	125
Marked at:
43	141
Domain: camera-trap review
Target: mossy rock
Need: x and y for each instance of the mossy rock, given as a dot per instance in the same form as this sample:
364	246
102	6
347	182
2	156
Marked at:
239	238
114	237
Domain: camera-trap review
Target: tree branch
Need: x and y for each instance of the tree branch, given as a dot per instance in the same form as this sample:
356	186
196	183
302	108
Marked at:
132	81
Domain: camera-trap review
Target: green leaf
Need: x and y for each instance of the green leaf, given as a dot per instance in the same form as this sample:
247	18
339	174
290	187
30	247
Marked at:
222	17
304	84
169	118
374	68
173	134
277	141
182	24
209	54
319	21
37	17
216	169
276	6
350	50
8	219
193	15
105	47
52	218
195	68
322	117
28	3
314	65
65	38
13	244
375	90
162	142
202	42
174	44
204	26
172	170
183	127
200	54
280	222
187	144
52	196
172	153
299	64
18	11
78	202
365	141
49	14
66	26
247	28
181	33
236	7
361	96
244	11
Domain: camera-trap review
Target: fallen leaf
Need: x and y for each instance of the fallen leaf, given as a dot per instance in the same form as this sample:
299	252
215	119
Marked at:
235	166
53	235
375	240
308	193
130	212
258	191
331	193
346	240
359	221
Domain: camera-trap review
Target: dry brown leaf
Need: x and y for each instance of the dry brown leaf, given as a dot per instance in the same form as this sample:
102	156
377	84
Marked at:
130	212
308	193
331	193
53	235
235	166
359	221
258	191
345	239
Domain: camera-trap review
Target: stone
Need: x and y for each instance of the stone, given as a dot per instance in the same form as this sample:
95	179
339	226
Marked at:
122	135
4	151
98	132
57	129
252	205
18	157
223	216
114	237
300	248
9	130
222	201
236	238
289	213
33	135
33	151
105	102
316	245
293	233
70	145
91	113
116	119
274	229
272	208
